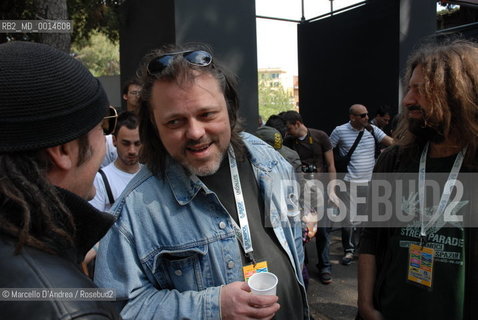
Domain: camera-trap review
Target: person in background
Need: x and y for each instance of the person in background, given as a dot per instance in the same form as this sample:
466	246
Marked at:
51	146
211	206
111	180
359	168
132	95
277	122
315	151
382	118
273	137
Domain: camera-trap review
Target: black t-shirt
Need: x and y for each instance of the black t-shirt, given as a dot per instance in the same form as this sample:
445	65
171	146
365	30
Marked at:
402	299
312	149
265	244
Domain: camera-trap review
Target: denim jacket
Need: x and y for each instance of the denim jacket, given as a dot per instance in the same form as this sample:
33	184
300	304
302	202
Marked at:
173	244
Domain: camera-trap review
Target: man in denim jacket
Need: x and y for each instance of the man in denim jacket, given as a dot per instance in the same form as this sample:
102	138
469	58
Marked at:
209	201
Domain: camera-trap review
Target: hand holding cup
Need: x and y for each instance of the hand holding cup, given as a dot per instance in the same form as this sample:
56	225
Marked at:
263	283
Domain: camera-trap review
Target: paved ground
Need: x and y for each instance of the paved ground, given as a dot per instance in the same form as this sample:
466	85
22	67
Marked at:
338	300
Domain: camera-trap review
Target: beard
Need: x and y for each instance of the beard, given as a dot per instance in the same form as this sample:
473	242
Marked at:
129	161
206	169
423	131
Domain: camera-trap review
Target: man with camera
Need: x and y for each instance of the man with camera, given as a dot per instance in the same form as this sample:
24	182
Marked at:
352	135
315	152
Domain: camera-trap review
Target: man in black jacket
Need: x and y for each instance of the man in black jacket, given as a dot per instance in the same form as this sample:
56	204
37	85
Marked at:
51	146
426	268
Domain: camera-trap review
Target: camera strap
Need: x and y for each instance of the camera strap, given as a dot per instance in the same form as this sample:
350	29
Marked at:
354	146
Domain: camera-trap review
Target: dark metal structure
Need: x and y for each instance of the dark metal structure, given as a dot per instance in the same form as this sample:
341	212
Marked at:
352	55
358	56
228	26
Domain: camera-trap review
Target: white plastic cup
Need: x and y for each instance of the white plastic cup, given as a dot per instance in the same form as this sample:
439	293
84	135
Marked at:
263	283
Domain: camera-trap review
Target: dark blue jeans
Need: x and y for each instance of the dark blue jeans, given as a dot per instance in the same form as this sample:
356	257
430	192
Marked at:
322	243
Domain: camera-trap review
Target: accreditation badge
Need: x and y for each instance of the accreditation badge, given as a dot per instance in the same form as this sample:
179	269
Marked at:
420	265
250	269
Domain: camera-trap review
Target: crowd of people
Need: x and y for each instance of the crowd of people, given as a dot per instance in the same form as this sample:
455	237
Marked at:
174	206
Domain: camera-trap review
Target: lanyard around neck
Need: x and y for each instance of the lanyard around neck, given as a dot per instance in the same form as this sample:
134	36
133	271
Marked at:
445	197
244	236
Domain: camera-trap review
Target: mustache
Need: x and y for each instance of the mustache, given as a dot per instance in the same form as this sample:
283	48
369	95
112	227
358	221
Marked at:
196	142
415	108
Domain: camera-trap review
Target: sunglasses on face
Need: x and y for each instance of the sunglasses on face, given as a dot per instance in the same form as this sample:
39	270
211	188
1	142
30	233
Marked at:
362	115
196	57
109	122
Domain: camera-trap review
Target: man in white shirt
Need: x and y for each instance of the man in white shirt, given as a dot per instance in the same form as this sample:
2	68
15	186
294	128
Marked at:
360	166
114	177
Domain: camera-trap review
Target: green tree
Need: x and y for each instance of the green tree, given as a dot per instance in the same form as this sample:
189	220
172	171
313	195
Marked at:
99	54
273	99
95	15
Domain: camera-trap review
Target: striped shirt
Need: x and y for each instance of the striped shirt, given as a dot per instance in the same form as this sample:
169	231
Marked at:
362	161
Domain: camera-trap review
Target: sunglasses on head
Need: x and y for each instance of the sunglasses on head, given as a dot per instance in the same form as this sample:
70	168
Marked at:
109	122
195	57
362	115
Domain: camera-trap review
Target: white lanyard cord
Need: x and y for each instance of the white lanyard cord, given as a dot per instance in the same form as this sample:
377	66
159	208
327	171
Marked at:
445	197
240	206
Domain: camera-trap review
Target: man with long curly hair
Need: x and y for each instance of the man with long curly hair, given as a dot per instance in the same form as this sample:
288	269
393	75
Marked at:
51	146
426	269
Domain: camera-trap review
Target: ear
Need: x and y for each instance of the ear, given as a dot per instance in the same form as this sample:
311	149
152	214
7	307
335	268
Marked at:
125	97
63	156
114	140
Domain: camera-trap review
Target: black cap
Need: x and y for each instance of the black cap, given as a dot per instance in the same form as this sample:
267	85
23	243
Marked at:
47	98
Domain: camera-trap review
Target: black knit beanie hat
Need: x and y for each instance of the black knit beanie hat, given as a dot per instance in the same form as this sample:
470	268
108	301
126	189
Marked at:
47	98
